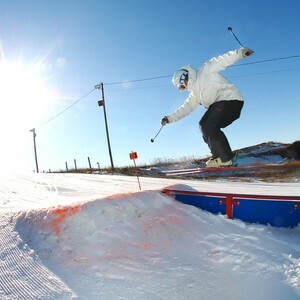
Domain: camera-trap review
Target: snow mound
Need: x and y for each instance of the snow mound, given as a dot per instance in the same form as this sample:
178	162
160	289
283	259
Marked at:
145	245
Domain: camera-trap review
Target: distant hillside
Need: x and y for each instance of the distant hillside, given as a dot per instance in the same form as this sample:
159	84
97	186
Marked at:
290	151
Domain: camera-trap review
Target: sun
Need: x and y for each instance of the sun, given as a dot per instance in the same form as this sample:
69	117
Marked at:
24	95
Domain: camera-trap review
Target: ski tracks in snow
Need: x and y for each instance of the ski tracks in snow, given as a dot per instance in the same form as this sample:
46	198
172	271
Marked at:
22	274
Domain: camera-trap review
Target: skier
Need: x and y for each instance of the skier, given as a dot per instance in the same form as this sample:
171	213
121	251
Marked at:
221	98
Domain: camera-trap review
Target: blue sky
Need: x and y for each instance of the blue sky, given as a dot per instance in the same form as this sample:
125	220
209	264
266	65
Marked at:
52	53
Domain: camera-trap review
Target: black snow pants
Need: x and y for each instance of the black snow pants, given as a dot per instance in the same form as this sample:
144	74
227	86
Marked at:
219	115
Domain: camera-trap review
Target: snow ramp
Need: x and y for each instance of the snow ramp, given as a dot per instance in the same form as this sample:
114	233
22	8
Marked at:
145	245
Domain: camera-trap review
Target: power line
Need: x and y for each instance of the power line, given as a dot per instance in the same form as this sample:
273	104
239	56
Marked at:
267	72
266	60
137	80
67	108
236	65
142	87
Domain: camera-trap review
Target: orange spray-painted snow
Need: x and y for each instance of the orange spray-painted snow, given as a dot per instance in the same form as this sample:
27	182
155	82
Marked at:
60	214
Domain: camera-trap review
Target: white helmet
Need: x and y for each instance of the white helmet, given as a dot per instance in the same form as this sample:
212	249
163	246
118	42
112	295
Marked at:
181	78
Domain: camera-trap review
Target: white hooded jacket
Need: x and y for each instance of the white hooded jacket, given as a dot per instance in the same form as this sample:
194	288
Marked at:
207	86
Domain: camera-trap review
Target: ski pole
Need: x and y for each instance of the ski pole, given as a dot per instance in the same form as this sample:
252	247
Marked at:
230	29
152	140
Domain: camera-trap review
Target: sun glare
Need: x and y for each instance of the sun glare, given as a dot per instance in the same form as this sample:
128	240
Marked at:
24	96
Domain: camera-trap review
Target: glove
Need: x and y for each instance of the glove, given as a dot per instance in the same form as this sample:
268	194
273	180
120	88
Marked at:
247	52
164	121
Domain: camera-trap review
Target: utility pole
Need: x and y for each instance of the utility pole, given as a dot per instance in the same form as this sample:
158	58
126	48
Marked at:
102	103
35	154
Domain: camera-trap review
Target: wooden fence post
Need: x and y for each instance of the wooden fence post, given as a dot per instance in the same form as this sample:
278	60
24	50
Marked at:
75	164
90	163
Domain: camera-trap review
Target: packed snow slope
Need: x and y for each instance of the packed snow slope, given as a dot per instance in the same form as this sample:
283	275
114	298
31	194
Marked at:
76	236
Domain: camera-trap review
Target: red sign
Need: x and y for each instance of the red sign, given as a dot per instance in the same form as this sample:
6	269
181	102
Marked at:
133	155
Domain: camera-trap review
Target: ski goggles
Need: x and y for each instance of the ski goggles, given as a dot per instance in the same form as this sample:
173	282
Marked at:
183	80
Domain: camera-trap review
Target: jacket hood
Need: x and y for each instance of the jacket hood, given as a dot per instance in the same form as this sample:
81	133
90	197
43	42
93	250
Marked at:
192	76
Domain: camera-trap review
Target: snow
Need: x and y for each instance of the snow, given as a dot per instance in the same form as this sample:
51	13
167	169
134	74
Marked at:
80	236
